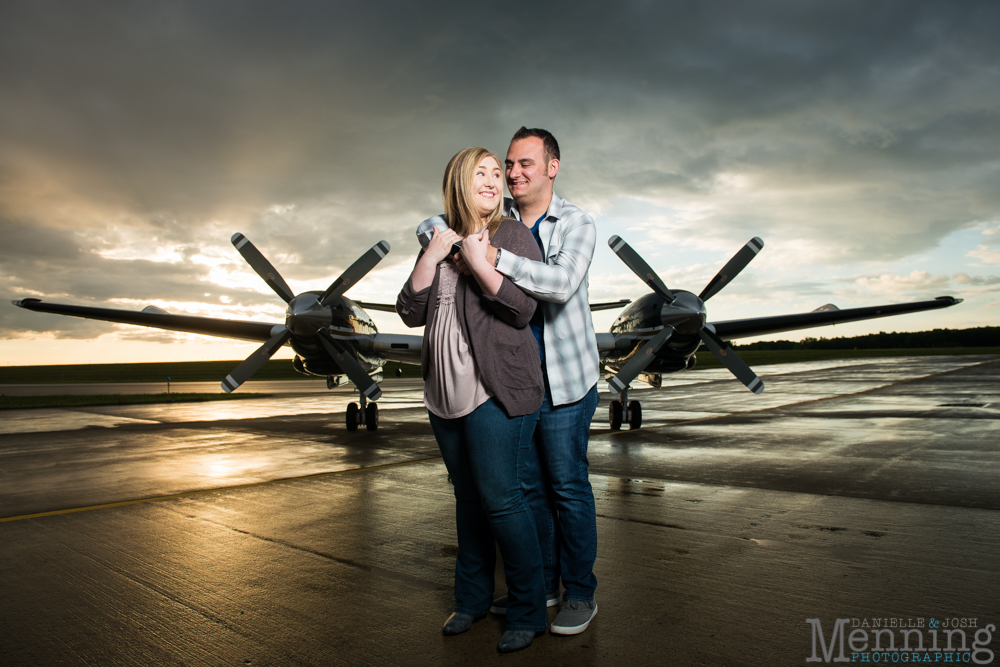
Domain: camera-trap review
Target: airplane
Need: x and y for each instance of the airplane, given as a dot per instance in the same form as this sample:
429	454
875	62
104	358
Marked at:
662	330
333	336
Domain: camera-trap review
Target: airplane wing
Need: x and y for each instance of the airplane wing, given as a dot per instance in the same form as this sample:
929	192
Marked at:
610	305
761	326
384	307
394	347
209	326
404	348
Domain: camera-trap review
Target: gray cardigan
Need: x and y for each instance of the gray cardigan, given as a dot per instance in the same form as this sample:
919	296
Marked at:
496	327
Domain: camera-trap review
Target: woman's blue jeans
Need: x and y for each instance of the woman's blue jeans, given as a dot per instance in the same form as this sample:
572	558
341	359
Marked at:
484	452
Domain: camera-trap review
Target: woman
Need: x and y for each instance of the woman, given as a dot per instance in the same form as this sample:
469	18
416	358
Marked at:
482	388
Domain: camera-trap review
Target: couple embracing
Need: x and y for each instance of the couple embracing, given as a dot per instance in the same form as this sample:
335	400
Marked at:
510	369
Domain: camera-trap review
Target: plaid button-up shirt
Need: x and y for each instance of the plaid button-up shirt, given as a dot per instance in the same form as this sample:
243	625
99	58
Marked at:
568	235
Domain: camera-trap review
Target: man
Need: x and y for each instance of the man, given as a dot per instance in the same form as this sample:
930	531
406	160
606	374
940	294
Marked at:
556	483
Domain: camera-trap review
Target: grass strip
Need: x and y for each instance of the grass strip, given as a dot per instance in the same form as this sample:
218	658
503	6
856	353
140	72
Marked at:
81	400
753	358
178	371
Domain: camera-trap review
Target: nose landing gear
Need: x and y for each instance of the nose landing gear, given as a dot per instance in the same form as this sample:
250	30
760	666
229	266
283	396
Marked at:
366	413
621	411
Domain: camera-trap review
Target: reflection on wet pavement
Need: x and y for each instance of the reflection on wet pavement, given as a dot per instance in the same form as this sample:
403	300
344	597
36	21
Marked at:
62	419
400	394
722	526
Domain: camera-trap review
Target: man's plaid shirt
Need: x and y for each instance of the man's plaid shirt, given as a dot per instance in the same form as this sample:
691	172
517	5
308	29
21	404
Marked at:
568	237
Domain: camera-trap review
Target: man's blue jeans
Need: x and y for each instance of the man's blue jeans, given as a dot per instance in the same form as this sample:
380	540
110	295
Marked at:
557	488
484	453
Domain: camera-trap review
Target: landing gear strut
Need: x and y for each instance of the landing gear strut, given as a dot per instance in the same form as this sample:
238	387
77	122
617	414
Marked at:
621	411
366	413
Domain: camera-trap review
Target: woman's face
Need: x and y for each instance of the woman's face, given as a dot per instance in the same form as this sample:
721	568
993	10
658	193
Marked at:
487	186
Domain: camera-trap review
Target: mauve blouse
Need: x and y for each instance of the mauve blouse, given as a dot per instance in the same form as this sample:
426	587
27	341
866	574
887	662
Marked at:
453	387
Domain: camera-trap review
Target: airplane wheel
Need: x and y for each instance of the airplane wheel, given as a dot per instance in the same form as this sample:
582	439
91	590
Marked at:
353	416
635	415
329	382
615	415
371	416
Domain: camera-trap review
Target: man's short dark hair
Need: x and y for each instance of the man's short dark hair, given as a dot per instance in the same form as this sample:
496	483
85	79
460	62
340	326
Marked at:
549	143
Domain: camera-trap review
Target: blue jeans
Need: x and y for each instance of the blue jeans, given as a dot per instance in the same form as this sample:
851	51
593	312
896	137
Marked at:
557	488
483	452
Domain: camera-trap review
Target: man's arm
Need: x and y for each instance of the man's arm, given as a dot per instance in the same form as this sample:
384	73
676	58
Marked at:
558	280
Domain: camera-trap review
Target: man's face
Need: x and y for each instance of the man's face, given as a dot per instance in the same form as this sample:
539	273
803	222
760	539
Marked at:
529	176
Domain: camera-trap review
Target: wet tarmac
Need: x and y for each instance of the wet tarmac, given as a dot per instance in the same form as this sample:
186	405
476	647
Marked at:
261	532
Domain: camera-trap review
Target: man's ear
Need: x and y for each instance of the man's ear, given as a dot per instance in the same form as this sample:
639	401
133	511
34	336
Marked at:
553	168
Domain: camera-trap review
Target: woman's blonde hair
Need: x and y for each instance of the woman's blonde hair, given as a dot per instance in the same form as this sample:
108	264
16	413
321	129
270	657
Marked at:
459	199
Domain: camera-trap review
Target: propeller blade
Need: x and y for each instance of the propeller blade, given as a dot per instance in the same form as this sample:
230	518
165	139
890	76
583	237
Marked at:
732	268
355	272
637	364
255	361
724	352
639	267
264	268
350	366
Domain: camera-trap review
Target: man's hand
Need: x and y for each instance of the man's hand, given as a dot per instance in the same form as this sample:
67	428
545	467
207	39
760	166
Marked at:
460	264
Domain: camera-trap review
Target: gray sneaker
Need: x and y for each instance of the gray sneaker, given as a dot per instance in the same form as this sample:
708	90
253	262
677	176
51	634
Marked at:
574	617
500	604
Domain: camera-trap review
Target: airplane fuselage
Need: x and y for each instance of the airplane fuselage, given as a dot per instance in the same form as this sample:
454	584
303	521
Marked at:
647	315
342	318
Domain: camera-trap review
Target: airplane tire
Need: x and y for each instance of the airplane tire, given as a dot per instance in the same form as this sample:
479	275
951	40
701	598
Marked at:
353	414
635	415
615	415
371	416
329	382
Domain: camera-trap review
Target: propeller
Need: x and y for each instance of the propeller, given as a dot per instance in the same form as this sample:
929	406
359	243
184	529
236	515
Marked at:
732	268
686	308
640	268
264	268
255	361
299	312
724	352
355	272
349	365
639	360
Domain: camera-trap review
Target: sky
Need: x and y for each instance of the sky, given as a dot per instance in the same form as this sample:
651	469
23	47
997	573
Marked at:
859	140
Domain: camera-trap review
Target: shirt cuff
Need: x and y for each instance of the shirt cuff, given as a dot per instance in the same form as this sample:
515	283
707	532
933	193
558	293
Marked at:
507	264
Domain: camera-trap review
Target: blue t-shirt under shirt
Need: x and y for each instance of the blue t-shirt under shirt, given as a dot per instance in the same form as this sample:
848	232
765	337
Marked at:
538	319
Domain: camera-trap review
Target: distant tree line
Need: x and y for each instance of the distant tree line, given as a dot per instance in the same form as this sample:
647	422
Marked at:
947	338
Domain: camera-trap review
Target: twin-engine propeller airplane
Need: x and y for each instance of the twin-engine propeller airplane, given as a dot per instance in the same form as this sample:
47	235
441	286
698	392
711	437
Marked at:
333	336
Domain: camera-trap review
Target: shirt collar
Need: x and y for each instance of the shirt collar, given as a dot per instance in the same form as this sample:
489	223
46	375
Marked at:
554	212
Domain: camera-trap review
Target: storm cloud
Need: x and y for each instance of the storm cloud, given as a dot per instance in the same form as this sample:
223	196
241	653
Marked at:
135	138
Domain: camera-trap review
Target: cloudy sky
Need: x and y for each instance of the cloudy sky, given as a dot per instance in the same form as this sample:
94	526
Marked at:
860	140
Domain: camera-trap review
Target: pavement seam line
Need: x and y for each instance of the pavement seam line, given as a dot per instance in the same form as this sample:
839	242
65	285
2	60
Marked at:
795	405
201	492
